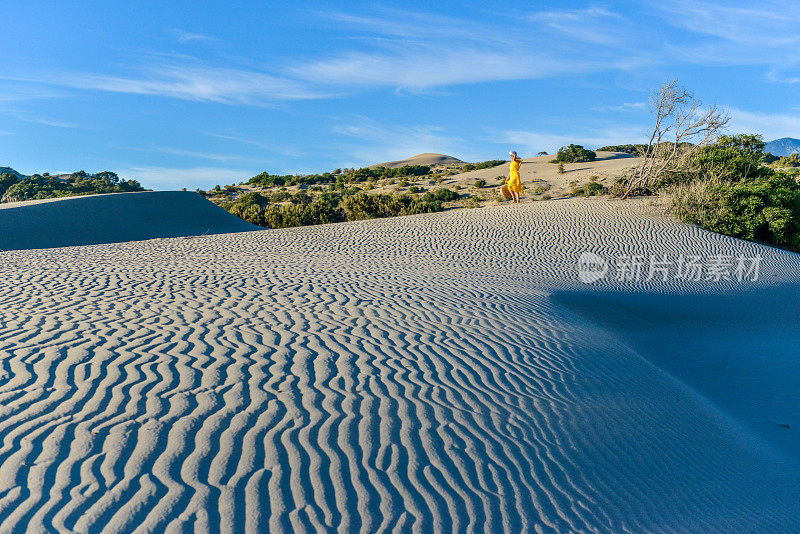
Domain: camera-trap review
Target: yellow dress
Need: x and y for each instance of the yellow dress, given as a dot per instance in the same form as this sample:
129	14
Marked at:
514	182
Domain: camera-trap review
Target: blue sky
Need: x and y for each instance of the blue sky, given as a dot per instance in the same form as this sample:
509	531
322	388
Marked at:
193	94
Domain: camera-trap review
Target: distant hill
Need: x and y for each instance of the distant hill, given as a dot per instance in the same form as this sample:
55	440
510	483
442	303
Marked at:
12	172
427	158
785	146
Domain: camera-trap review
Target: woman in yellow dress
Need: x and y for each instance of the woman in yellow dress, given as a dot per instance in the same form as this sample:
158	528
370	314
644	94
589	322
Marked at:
513	182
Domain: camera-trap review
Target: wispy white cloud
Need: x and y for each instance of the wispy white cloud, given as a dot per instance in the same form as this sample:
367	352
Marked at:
276	146
21	93
36	119
770	125
421	51
379	142
202	155
593	25
736	32
185	37
169	178
204	84
187	79
625	106
430	66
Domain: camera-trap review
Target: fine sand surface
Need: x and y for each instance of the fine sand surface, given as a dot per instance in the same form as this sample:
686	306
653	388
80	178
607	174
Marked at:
538	175
538	171
428	373
117	217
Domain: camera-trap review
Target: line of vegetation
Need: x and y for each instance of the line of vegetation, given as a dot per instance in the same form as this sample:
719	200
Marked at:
284	209
635	149
348	176
14	188
482	165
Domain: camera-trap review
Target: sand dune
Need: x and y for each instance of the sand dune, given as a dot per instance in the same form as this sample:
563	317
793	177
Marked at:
538	170
427	158
436	372
93	219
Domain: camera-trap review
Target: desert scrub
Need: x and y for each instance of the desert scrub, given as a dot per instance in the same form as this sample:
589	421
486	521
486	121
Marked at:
480	183
560	169
763	208
414	189
541	188
442	195
594	188
472	202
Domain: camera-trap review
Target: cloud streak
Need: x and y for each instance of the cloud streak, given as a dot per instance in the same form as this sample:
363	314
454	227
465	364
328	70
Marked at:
198	83
770	125
185	37
420	51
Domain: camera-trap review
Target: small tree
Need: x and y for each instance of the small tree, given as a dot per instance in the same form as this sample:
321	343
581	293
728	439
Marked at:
682	126
560	167
574	154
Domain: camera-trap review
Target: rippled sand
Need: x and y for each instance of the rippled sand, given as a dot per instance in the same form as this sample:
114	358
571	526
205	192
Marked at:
435	372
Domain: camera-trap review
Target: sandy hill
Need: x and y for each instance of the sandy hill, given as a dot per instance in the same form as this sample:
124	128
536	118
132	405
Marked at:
118	217
440	372
427	158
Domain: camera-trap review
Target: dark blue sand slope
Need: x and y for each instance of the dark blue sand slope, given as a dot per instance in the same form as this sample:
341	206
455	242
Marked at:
114	218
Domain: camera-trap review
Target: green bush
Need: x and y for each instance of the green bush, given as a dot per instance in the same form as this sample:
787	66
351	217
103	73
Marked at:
78	183
594	188
636	149
480	183
6	181
574	154
364	206
482	165
414	189
763	208
736	157
788	161
441	195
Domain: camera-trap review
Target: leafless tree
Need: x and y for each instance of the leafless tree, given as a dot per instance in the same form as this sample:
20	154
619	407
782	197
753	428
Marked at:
682	126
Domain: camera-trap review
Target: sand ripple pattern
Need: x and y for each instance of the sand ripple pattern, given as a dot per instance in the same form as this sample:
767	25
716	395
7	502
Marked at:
410	374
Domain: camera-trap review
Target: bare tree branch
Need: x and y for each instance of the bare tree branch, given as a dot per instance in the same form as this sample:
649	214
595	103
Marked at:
682	126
